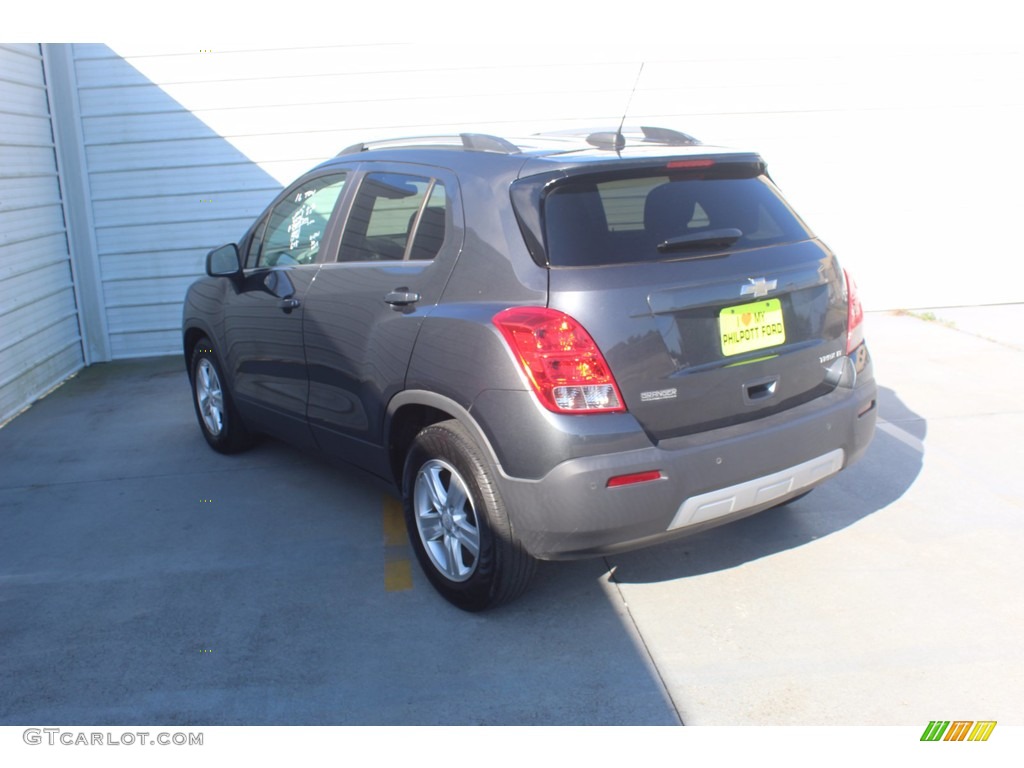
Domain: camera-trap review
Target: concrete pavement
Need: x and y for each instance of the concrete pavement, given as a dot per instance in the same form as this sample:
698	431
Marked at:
145	579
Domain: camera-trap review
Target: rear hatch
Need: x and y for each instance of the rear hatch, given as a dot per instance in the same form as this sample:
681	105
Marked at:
711	301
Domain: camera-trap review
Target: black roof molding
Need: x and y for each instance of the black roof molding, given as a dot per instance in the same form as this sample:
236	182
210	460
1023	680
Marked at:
668	136
484	142
617	140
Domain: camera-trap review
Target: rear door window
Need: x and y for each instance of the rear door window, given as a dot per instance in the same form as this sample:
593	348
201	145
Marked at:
396	216
594	221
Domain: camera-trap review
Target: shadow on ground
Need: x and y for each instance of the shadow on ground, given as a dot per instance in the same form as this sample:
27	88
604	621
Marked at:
147	579
878	479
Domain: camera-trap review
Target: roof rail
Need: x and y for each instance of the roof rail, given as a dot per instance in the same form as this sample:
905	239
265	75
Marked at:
478	142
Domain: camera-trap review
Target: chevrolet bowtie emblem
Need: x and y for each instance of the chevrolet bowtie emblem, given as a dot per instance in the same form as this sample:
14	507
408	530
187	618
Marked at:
758	287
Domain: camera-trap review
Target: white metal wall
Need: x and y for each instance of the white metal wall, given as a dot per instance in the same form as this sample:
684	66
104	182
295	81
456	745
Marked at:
164	188
39	331
894	154
897	156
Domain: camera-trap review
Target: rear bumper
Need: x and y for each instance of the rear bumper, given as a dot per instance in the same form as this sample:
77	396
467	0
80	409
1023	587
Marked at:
706	479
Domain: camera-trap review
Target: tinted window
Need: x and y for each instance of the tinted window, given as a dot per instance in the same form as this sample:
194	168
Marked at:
296	225
395	216
590	222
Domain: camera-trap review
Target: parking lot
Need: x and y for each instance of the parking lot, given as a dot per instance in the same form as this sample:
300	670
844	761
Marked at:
146	579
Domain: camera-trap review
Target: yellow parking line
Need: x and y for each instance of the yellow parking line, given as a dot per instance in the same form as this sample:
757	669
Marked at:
397	567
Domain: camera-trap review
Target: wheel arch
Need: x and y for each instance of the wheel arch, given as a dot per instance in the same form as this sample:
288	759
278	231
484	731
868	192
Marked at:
190	339
412	410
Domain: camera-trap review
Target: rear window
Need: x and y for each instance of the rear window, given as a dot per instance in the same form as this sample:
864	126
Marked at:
589	222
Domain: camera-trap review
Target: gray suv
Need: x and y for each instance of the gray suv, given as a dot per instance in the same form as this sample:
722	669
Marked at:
556	347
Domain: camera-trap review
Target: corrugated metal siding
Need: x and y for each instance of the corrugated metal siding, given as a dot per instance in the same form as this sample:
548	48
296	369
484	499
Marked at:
166	188
184	147
39	332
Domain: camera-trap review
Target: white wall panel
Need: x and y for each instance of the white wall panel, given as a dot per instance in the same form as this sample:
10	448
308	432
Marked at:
23	129
183	148
19	160
155	291
38	361
22	289
862	138
28	191
39	332
24	68
165	188
135	265
31	255
181	209
130	184
150	241
33	320
130	342
19	224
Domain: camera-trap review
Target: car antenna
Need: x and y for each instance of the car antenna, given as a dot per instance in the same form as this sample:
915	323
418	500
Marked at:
620	140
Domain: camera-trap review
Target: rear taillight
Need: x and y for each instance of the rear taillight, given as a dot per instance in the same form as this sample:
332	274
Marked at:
854	315
561	360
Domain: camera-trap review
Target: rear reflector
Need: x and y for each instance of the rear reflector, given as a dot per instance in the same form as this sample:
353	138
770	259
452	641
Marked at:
561	360
637	477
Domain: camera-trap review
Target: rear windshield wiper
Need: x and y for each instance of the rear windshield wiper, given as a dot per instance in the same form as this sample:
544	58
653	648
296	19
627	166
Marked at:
712	238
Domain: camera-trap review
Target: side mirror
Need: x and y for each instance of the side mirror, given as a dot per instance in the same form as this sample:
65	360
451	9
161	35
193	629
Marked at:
223	261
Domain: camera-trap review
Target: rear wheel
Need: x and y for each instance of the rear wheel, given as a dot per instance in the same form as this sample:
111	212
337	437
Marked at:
218	419
457	521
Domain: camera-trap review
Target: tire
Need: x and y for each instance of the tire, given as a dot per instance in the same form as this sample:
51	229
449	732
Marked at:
457	522
218	419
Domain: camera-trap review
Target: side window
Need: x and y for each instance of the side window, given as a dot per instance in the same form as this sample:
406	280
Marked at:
297	224
395	216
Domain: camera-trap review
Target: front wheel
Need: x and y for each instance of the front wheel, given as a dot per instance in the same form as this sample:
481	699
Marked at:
218	419
457	521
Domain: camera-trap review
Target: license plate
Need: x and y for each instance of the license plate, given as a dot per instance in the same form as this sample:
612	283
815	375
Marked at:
748	327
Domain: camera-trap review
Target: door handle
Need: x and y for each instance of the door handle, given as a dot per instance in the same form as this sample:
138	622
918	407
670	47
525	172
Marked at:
401	297
289	304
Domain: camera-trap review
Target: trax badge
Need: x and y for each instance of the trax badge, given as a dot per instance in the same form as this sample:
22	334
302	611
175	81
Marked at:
758	287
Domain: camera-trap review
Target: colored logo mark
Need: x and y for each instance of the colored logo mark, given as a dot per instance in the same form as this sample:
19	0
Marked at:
958	730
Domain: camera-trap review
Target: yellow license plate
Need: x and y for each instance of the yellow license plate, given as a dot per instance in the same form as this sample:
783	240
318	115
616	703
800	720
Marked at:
751	326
